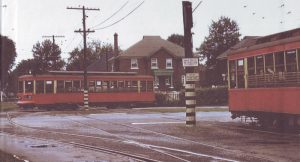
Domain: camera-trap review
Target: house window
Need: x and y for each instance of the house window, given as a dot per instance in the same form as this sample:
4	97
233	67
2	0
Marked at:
169	63
134	63
154	63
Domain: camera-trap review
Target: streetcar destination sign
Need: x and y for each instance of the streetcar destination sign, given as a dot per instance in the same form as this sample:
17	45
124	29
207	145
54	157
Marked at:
192	77
190	62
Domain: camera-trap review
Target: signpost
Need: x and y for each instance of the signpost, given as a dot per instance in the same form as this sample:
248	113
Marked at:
194	77
190	62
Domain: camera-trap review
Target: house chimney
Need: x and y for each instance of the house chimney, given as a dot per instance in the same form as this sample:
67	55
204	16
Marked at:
116	49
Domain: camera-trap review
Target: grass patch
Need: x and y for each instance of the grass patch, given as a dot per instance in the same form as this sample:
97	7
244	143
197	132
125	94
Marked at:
8	106
183	109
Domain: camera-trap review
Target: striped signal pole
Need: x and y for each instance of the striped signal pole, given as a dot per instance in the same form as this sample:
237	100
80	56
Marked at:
84	31
189	63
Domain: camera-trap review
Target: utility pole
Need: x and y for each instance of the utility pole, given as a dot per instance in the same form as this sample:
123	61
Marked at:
189	63
53	37
84	31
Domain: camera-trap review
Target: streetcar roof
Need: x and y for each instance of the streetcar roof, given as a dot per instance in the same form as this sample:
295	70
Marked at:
251	43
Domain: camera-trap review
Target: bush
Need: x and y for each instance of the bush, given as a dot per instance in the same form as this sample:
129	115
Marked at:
212	96
204	97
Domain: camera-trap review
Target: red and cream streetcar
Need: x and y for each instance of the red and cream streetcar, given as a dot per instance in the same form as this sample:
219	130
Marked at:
66	88
264	78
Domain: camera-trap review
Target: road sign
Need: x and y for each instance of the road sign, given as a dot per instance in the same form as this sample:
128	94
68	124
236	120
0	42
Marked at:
190	62
192	77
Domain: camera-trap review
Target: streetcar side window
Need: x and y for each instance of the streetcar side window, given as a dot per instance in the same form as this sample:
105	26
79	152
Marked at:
113	86
143	86
279	61
105	86
76	86
127	85
28	86
98	86
20	86
269	63
259	64
149	86
291	62
49	86
40	86
91	86
251	66
298	55
232	72
134	86
121	85
68	86
240	73
60	86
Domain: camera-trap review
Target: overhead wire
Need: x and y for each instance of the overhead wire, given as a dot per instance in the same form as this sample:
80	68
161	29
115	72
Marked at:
121	18
111	15
196	7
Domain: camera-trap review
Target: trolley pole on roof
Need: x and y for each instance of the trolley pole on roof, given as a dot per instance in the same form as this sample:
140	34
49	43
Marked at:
189	63
84	31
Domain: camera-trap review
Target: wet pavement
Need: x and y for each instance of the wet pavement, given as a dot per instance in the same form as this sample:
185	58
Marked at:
162	135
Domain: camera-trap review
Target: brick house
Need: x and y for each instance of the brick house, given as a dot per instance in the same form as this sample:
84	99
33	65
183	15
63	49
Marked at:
152	56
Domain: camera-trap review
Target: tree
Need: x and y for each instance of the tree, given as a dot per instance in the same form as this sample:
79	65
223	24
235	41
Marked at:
177	39
94	52
47	57
223	34
24	67
7	58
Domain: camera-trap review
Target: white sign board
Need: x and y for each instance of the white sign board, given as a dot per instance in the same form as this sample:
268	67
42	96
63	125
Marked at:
192	77
190	62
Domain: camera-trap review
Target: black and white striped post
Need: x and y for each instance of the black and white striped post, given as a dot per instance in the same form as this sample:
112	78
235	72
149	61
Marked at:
189	63
85	99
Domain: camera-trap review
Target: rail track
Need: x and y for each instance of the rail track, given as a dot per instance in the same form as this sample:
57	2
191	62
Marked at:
75	144
166	151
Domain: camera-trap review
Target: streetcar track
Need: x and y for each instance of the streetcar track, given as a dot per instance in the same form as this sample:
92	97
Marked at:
90	147
166	135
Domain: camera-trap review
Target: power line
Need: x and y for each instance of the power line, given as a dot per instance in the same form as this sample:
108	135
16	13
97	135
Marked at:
121	18
111	15
197	6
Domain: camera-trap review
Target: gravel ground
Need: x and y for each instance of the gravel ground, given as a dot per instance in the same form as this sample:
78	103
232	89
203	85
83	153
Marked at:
215	134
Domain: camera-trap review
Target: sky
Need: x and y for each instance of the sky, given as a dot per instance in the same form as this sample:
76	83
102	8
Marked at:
27	21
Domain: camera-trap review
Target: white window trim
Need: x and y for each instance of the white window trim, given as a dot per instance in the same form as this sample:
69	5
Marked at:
155	60
169	67
132	61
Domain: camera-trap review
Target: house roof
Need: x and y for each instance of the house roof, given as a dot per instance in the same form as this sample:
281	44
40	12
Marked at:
250	43
150	45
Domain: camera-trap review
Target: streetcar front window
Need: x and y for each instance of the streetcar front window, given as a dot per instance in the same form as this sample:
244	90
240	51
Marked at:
40	86
49	86
20	86
28	86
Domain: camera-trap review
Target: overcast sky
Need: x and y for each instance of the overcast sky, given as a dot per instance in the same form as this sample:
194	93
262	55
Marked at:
26	21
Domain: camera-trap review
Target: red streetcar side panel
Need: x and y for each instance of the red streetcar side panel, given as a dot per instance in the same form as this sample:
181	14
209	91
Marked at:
277	100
